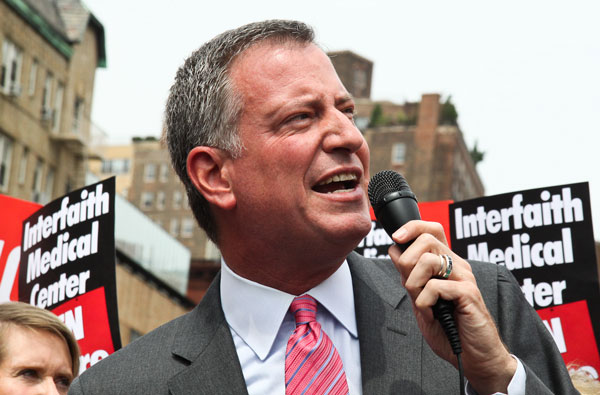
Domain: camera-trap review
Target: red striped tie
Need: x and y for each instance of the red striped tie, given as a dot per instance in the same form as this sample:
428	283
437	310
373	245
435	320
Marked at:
312	364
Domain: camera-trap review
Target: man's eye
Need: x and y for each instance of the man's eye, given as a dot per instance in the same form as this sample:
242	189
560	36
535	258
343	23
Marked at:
298	117
350	113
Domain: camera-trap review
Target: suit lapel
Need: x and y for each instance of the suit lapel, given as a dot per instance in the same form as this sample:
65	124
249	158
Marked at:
203	342
390	341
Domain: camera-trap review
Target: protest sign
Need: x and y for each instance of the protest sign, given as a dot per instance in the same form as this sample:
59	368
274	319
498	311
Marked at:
68	266
545	238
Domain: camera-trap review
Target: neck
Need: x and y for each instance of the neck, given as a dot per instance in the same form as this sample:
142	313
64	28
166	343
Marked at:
293	273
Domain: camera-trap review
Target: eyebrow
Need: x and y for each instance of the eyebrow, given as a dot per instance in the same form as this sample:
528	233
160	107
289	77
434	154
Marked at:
344	99
312	101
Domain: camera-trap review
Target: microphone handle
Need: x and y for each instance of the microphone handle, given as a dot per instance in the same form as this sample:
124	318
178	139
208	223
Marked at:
396	213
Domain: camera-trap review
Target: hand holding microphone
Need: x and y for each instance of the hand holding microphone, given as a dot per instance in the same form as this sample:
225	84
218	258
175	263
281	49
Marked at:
395	204
431	272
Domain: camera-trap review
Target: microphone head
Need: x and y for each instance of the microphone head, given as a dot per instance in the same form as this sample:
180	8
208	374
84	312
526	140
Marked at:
384	183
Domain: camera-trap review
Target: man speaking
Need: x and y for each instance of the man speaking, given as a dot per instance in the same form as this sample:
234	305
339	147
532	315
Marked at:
260	130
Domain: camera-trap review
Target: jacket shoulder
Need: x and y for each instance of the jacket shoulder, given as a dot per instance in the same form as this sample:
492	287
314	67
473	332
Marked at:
144	364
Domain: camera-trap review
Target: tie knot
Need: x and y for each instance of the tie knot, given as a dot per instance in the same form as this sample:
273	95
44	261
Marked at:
304	309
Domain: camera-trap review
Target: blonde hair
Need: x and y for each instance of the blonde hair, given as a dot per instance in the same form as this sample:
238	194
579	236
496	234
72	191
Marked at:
28	316
583	380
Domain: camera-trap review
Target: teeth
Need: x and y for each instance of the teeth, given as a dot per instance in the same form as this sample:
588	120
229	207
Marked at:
338	178
341	190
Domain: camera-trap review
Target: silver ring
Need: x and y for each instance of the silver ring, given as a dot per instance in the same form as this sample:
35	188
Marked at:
443	265
448	270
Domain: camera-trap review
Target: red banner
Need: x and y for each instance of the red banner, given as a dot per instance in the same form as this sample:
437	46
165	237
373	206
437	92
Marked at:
86	316
572	330
12	213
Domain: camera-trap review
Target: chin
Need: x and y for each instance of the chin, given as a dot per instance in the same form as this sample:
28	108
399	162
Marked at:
351	232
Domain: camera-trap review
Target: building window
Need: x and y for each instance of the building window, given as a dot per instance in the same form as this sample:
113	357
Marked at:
47	195
398	153
147	200
36	190
46	110
115	166
174	227
58	99
160	200
149	172
33	77
23	165
5	158
187	228
78	115
163	172
10	71
177	199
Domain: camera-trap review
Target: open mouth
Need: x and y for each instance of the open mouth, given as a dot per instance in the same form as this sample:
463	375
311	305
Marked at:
345	182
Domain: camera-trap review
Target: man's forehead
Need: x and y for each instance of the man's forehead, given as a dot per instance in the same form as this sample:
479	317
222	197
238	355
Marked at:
268	49
266	62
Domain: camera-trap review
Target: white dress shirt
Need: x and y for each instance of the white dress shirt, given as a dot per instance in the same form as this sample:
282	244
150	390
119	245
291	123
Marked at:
261	325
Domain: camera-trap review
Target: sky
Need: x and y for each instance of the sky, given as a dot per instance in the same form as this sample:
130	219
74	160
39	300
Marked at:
524	75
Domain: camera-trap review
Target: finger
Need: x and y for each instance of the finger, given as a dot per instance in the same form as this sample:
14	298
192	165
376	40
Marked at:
434	290
424	243
406	261
462	293
412	229
428	266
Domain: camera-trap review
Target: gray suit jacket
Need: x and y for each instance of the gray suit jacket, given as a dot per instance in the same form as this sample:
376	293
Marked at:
195	354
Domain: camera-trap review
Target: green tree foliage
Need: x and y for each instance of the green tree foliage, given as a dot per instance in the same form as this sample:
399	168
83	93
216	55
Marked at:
403	119
476	155
377	118
448	114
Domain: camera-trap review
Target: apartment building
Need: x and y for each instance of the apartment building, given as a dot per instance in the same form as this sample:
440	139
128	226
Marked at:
50	52
157	191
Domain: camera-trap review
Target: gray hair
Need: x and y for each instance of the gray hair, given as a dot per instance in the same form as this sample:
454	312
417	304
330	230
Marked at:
203	108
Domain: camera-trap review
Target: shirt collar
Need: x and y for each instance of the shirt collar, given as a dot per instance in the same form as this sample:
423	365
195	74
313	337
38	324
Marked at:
255	312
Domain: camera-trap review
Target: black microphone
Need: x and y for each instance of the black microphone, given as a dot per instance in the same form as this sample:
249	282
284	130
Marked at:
394	205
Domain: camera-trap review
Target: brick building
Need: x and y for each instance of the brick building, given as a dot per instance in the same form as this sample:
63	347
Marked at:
50	52
355	71
418	140
157	191
432	156
144	301
114	160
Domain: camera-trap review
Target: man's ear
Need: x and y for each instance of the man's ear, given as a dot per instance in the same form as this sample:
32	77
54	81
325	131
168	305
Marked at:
207	169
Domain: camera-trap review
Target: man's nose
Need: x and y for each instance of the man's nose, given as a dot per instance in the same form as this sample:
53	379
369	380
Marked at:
341	133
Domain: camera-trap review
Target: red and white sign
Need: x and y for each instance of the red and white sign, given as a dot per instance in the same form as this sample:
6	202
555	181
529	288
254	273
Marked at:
12	213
